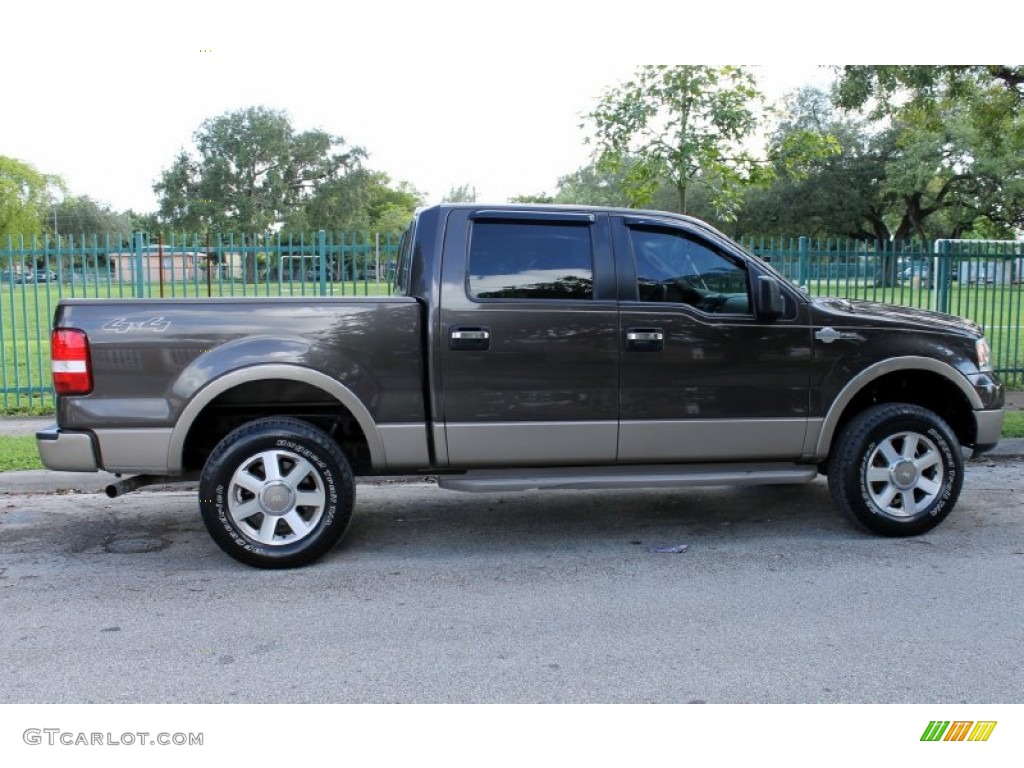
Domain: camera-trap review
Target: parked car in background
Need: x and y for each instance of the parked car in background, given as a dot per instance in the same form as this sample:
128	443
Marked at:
45	276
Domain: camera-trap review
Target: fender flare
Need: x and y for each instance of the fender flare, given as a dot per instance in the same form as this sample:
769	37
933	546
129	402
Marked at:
876	371
345	397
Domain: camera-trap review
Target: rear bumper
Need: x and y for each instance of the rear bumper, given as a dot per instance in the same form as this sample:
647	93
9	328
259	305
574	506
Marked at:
67	450
990	429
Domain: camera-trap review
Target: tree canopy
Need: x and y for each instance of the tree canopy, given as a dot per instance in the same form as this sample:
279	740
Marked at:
81	215
252	169
26	195
685	125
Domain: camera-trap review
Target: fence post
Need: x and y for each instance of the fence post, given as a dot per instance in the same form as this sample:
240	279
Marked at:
376	257
801	266
322	237
140	285
942	276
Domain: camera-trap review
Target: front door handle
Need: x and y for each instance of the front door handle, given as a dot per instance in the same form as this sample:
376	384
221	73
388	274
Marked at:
645	339
467	339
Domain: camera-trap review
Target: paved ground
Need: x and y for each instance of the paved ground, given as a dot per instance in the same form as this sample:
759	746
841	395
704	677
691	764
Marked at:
436	596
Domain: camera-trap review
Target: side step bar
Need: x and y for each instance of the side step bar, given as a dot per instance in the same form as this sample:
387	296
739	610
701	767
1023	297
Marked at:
635	476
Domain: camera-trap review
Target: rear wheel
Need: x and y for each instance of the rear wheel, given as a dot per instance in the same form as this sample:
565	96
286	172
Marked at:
276	493
896	469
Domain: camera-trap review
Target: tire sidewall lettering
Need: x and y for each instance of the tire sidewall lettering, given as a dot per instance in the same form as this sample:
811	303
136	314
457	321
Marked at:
865	435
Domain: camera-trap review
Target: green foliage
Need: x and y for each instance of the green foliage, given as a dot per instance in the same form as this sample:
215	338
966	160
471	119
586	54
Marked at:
252	170
539	198
595	185
827	170
463	193
82	215
360	201
892	88
144	222
25	197
931	164
682	124
957	142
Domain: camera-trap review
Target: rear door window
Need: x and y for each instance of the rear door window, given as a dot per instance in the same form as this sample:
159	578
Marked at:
530	260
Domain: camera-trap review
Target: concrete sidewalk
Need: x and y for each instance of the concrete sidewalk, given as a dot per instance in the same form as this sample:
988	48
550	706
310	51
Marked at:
24	425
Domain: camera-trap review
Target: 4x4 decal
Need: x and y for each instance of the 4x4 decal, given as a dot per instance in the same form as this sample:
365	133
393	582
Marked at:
124	325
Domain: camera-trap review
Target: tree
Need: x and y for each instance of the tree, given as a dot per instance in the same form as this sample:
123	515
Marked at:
361	200
959	133
251	171
595	185
25	197
827	171
683	124
915	172
464	193
894	87
82	215
541	198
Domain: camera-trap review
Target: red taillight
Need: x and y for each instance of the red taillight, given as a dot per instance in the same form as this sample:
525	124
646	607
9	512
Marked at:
72	370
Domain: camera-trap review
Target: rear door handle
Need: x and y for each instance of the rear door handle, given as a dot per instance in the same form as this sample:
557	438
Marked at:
645	339
467	339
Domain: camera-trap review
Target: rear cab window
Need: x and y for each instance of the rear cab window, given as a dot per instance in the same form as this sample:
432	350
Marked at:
530	260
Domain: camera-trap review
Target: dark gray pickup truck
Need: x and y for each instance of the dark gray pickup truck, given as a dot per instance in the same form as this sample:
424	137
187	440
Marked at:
525	347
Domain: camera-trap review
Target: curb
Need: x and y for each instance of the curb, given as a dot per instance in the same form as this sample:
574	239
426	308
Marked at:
49	481
1007	448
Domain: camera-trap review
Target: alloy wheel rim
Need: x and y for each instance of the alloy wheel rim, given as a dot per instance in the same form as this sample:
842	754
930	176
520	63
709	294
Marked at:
904	474
276	498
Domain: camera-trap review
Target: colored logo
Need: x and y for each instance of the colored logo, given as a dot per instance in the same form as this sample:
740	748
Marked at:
958	730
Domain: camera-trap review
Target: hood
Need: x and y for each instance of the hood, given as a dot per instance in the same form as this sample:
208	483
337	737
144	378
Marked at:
873	314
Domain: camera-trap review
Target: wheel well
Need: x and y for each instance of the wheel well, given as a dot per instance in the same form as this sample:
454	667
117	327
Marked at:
275	397
928	390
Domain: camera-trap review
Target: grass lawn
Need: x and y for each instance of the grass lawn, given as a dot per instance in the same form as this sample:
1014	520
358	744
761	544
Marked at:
1013	424
18	452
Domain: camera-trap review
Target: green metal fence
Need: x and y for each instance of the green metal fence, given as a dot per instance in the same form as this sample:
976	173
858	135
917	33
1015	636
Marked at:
36	273
975	279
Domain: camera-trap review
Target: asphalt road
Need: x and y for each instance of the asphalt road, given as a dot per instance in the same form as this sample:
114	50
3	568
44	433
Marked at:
436	596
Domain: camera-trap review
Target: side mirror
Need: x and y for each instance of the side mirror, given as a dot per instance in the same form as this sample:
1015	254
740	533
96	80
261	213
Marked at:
770	305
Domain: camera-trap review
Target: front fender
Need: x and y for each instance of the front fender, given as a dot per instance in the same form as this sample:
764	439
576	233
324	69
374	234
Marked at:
817	444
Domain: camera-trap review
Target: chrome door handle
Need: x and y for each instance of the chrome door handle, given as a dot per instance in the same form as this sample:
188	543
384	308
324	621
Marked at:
469	339
645	339
645	336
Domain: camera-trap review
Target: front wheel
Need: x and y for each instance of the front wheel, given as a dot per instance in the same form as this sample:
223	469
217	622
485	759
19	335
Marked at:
896	469
276	493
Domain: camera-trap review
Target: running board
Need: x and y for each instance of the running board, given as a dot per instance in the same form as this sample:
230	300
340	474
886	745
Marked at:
627	476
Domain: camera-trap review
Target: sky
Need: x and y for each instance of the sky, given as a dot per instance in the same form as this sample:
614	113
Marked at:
439	94
503	130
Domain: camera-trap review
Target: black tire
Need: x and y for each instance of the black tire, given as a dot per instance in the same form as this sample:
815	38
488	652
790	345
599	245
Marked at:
896	469
252	488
